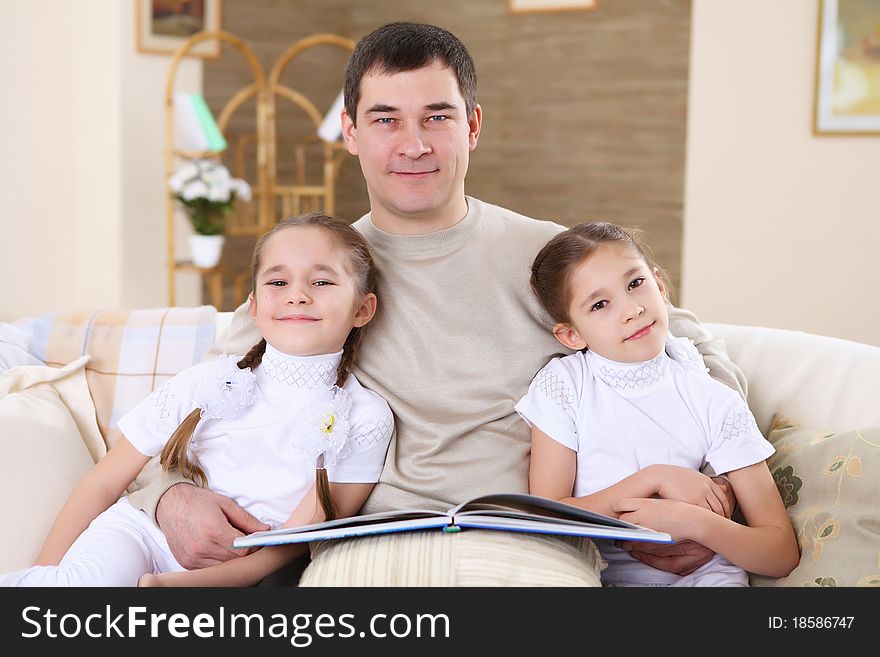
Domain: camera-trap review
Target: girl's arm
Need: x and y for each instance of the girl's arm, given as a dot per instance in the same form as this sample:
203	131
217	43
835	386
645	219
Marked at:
96	491
253	568
552	469
766	546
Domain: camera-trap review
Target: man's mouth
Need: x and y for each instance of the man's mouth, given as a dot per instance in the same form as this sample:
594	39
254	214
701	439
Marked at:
642	332
414	174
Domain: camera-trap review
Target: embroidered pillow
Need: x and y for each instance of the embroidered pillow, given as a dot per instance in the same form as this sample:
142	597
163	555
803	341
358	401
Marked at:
830	484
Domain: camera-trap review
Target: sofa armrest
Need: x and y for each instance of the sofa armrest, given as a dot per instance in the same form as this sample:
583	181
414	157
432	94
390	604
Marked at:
813	379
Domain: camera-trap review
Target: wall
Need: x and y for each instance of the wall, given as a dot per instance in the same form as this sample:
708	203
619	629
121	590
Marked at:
81	174
781	227
584	111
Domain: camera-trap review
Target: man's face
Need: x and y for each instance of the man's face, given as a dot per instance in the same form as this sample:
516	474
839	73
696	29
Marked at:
413	139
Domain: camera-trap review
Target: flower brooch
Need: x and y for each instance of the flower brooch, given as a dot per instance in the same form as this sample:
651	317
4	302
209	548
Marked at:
322	438
227	394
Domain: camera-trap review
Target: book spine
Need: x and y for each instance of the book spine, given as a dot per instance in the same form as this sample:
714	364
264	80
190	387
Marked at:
190	135
330	129
216	142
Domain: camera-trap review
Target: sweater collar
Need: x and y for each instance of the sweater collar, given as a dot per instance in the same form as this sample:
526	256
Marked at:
429	244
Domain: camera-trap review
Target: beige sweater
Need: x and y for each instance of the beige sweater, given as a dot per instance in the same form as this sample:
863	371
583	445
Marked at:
456	341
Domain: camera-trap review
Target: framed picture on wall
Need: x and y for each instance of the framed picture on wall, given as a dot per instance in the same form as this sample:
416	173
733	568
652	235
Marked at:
848	68
163	25
531	6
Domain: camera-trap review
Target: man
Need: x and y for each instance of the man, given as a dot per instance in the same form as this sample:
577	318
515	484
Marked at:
455	343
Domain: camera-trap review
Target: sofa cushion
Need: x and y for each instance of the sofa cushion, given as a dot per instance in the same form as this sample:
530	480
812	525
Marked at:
133	351
830	483
817	379
49	440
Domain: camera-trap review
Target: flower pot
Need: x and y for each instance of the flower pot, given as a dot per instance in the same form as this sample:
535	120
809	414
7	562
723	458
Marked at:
206	249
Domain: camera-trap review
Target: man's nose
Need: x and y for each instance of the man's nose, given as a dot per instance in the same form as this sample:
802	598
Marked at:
414	144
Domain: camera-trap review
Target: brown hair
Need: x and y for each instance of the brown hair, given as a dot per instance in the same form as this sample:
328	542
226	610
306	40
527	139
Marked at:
360	266
553	266
402	46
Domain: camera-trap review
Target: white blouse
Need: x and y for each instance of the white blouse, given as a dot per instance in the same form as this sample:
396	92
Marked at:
253	441
622	417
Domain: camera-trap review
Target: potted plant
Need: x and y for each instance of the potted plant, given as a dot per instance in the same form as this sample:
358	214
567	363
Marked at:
207	193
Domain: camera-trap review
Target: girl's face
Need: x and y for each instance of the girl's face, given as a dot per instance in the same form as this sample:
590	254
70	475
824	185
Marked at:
618	306
305	302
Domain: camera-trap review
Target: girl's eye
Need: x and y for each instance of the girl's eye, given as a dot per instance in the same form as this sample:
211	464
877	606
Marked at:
322	283
599	305
277	283
636	283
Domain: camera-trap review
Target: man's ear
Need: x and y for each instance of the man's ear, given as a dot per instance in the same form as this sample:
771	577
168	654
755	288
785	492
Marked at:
568	336
349	133
660	283
475	123
366	311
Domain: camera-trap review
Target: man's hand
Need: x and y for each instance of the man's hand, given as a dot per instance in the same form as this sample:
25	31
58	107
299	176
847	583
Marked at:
680	558
200	525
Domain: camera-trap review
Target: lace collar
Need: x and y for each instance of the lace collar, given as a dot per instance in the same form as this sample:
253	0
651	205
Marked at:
634	377
300	371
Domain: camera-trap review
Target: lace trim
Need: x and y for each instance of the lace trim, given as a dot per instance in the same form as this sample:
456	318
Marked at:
300	375
738	423
375	435
164	400
635	377
554	388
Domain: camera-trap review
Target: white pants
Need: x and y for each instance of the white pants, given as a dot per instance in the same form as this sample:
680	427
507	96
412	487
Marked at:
623	570
117	548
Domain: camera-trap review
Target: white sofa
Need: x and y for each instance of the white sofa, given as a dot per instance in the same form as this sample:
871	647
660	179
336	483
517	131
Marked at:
831	387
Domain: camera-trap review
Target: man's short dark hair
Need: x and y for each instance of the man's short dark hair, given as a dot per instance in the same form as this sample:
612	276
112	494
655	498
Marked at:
397	47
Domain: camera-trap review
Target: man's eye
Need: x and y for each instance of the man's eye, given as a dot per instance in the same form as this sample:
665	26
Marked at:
599	305
438	117
636	283
384	120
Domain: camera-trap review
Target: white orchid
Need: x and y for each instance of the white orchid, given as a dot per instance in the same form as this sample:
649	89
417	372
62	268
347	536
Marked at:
208	192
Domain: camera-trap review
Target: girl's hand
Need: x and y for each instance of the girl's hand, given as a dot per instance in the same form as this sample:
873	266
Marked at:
685	485
676	518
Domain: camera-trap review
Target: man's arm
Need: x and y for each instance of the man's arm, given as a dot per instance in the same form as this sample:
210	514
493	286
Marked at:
684	324
198	523
255	567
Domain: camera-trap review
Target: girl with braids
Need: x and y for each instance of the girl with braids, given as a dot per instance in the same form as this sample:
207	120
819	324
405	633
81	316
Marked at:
624	425
286	427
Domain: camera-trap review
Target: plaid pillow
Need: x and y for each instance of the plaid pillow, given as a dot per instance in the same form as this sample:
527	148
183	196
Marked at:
132	351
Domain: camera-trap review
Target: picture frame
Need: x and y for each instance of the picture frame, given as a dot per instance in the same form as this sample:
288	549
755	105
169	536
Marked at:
546	6
163	25
847	90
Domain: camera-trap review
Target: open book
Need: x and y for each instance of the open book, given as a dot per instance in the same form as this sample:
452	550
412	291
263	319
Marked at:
510	512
